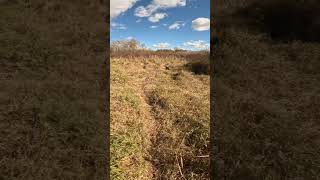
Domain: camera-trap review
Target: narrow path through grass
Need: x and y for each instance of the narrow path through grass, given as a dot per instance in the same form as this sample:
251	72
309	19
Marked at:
160	120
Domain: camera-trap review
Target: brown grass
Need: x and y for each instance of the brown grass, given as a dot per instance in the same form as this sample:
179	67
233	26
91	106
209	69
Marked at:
51	98
172	107
196	55
266	124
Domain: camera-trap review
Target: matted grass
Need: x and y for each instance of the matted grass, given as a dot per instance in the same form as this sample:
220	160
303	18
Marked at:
160	111
52	97
267	96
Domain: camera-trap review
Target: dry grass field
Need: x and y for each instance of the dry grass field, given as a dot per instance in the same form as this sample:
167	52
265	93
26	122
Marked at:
266	84
159	117
267	87
52	90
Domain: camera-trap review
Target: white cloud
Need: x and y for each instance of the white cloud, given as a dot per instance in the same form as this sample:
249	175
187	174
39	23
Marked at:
153	27
120	6
176	25
169	3
147	11
118	26
201	24
164	45
157	17
198	45
139	20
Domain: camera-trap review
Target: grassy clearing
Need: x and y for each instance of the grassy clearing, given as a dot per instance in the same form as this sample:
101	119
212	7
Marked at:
51	97
267	96
169	106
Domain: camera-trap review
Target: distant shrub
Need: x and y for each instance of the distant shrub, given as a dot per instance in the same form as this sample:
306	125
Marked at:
180	50
165	50
199	66
285	19
134	48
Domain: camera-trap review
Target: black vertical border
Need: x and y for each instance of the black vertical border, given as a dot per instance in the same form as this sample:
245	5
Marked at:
107	90
213	7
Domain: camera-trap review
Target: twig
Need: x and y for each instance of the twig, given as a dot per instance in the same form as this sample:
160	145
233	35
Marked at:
180	168
204	156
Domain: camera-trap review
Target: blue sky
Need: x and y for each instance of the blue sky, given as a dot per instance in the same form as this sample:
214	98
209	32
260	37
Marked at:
162	23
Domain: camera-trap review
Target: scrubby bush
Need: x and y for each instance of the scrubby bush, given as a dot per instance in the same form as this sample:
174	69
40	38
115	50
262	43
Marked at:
199	66
285	19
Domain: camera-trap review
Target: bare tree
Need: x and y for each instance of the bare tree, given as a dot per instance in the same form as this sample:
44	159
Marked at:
128	45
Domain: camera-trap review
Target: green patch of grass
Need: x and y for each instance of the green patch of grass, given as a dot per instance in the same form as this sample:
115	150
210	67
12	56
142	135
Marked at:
125	149
130	99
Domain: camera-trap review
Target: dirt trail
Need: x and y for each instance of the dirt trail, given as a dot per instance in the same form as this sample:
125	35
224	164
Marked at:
146	78
152	70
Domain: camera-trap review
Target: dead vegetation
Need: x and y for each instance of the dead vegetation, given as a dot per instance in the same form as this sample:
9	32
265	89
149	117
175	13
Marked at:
52	92
284	20
172	121
266	85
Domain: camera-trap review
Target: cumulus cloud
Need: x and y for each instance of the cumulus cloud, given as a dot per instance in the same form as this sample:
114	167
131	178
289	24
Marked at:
149	10
198	45
153	27
120	6
164	45
201	24
118	26
157	17
176	25
169	3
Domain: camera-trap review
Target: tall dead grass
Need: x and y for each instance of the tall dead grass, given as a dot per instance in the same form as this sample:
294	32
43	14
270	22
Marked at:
182	113
174	117
52	92
266	124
